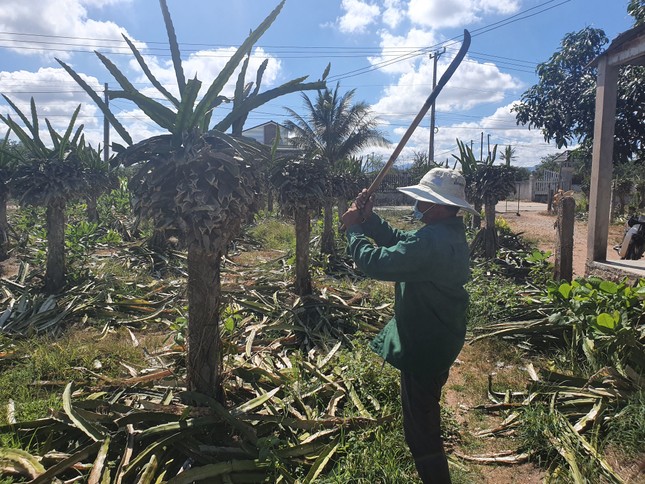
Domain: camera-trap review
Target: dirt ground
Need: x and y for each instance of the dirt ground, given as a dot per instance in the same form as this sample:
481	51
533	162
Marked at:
537	225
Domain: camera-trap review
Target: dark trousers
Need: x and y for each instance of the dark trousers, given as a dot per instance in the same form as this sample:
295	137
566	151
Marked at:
422	426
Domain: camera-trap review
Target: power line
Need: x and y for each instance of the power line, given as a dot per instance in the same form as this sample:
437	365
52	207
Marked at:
301	51
509	20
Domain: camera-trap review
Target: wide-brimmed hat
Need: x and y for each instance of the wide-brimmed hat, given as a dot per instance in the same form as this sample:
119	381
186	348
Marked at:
442	186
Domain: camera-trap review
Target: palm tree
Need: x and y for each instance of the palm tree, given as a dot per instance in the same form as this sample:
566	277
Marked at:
333	129
347	179
101	178
300	184
508	155
197	181
486	184
48	176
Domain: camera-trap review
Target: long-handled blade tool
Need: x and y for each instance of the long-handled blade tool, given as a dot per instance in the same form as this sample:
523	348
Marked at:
431	98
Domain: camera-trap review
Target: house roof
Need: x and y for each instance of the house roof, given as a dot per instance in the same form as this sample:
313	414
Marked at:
264	124
564	156
627	48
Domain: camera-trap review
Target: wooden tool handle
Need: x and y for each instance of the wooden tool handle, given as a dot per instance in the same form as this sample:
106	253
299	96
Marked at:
431	98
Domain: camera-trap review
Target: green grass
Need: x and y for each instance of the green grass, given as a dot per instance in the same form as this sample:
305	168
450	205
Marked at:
626	431
492	295
34	376
382	456
274	233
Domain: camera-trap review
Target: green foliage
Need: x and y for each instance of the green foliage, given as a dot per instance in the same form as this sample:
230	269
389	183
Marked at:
636	9
531	433
47	170
377	378
493	295
302	181
485	182
604	321
562	103
541	270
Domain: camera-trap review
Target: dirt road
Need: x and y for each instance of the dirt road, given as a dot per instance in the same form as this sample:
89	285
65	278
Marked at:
538	226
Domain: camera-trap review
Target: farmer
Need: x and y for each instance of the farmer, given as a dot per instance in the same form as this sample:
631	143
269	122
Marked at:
430	267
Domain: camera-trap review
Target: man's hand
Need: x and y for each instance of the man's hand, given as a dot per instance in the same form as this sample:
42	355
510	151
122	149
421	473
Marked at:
360	210
364	203
353	216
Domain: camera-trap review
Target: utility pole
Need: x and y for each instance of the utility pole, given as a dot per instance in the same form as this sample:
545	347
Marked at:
481	148
106	127
435	57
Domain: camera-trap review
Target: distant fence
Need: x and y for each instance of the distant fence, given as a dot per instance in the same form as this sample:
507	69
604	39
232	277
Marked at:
392	181
538	189
387	193
532	190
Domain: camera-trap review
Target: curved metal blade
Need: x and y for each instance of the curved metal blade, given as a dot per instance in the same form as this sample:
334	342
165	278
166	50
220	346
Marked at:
431	98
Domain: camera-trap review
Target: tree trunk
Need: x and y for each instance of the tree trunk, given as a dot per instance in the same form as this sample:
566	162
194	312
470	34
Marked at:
303	235
270	200
4	225
204	359
477	220
327	241
342	207
490	234
91	211
55	272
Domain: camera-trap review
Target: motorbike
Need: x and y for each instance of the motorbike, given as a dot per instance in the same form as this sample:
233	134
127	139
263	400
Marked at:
633	243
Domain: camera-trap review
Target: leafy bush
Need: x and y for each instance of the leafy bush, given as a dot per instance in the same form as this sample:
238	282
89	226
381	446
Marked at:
604	321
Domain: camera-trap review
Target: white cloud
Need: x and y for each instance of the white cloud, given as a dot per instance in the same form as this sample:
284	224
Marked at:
57	96
55	93
358	16
393	13
456	13
473	84
445	13
394	46
502	130
138	125
60	19
498	6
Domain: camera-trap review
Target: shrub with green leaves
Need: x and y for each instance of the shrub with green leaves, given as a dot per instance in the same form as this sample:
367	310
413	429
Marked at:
605	321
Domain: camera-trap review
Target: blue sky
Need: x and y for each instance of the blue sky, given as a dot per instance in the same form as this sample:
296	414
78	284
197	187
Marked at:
380	48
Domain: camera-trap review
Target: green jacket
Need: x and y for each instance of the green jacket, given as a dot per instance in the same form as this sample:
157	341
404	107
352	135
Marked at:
430	267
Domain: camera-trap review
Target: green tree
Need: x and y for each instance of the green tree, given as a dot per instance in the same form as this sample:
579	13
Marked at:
562	103
636	9
346	180
101	178
197	180
486	184
49	175
333	129
547	163
508	155
300	184
421	165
